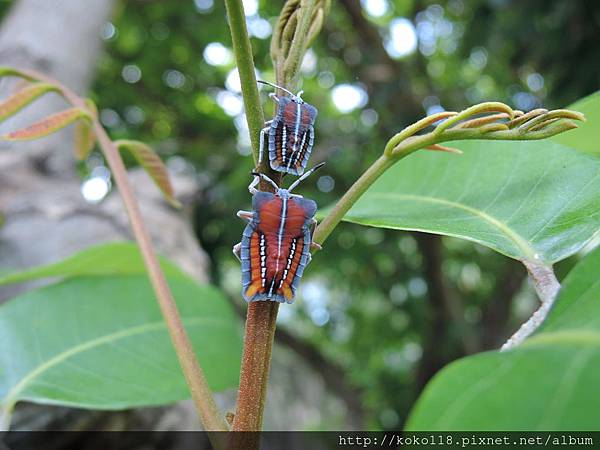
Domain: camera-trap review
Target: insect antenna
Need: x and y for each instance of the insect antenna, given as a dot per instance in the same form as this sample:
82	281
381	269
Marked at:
306	174
279	87
262	176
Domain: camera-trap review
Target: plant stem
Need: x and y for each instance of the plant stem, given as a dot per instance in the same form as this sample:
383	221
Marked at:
546	286
260	330
299	41
544	280
194	376
261	316
359	187
245	65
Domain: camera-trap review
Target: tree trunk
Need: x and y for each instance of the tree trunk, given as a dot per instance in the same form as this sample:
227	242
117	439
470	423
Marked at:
45	216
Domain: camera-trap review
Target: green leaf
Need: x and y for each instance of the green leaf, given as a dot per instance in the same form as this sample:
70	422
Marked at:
527	200
6	71
584	138
117	258
101	342
550	382
152	164
48	125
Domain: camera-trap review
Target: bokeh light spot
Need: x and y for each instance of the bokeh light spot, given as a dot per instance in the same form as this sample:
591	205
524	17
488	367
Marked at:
348	97
230	103
375	8
204	6
131	73
216	54
95	189
250	7
325	183
403	38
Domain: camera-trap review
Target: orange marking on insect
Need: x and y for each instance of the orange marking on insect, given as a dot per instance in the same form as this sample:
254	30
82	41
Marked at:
287	291
253	288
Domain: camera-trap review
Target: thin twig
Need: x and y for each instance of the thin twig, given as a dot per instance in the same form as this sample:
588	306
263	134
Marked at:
546	286
201	394
361	185
406	142
245	65
194	376
298	47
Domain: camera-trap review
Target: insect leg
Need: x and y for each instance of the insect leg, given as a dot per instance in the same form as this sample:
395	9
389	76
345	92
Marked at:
245	215
313	244
237	249
261	141
252	186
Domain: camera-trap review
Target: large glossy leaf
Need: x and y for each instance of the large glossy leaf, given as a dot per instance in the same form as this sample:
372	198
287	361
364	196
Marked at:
527	200
98	339
550	382
584	138
115	258
101	342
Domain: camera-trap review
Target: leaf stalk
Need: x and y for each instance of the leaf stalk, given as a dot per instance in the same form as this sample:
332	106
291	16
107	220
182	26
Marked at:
194	376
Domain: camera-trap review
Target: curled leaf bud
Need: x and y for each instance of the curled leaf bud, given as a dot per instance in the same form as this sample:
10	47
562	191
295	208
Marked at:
299	23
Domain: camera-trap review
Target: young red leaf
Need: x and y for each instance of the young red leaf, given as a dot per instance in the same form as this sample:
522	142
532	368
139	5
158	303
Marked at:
24	97
48	125
152	164
84	139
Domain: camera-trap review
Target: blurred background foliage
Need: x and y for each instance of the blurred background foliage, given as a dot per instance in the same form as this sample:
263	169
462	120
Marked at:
379	311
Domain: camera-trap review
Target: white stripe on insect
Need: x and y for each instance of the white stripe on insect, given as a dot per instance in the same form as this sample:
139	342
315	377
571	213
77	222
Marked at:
263	260
283	141
296	130
289	262
279	242
296	155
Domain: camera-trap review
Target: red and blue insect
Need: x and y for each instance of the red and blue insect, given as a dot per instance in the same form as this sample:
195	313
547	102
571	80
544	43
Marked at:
291	133
276	242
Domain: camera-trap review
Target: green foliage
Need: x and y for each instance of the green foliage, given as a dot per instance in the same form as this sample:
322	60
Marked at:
585	137
548	383
527	200
375	305
115	258
98	339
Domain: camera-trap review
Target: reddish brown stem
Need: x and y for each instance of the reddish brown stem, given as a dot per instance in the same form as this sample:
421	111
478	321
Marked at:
194	376
258	343
200	391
